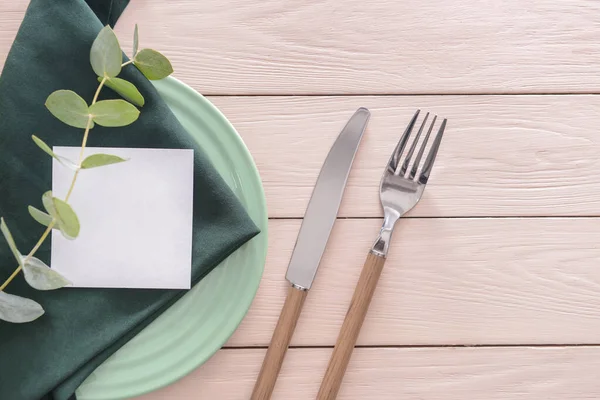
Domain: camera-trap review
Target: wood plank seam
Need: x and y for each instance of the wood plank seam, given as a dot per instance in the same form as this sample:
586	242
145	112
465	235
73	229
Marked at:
432	346
501	282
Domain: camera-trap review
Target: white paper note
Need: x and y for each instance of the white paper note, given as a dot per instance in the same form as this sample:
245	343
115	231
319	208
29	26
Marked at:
135	216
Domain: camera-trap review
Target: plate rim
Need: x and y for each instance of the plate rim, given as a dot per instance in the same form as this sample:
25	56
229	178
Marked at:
260	220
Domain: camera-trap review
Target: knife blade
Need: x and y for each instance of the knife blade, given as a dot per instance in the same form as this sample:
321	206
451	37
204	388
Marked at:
316	227
324	203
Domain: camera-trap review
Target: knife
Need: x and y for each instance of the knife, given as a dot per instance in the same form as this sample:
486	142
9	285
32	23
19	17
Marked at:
311	242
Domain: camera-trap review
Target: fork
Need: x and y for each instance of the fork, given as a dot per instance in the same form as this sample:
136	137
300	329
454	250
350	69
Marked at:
401	188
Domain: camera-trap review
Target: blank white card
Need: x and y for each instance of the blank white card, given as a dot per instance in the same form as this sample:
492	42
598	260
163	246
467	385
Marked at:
135	216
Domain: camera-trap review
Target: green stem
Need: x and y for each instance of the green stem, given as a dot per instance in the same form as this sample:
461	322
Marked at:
10	278
102	82
126	63
39	243
84	141
53	222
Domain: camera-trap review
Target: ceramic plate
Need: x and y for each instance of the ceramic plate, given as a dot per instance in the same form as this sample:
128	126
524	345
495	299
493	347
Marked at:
193	329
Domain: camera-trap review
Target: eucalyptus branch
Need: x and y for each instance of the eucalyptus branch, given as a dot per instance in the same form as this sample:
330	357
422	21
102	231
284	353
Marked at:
51	225
107	61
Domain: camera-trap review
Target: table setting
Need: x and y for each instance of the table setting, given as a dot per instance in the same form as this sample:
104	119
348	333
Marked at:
206	201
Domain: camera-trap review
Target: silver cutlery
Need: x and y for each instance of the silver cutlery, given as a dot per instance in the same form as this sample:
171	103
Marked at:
401	188
311	242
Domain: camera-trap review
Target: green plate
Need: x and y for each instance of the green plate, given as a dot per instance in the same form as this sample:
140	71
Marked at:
193	329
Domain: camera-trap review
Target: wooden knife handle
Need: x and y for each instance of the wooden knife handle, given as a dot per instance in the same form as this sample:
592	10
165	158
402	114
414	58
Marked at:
363	293
263	389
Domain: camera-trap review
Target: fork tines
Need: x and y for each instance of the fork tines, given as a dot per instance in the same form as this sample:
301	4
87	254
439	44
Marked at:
397	168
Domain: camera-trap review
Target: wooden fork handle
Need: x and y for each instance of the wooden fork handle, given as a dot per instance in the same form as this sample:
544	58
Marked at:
263	389
363	293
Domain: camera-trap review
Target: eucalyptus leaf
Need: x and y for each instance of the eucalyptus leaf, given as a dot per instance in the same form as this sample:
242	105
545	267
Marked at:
114	113
66	219
10	240
100	160
135	40
67	163
69	108
18	309
40	216
42	145
105	55
153	64
63	160
49	204
42	277
126	89
68	223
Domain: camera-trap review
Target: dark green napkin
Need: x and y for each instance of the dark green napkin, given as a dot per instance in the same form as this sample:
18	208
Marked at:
51	356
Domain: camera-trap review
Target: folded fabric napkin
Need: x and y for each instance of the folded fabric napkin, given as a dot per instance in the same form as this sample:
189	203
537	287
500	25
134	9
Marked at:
50	357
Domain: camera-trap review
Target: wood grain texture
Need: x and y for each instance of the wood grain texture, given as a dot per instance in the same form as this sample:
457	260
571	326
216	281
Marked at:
446	281
282	335
501	155
357	311
523	373
11	15
345	46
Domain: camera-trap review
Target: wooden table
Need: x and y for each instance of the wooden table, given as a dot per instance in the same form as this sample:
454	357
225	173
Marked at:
492	287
